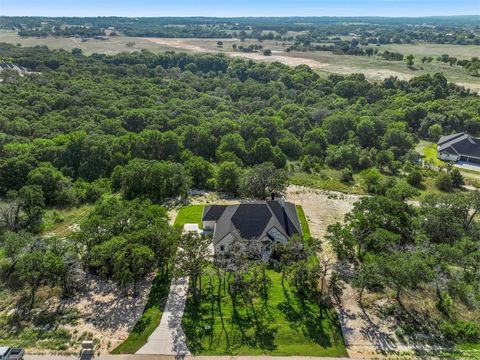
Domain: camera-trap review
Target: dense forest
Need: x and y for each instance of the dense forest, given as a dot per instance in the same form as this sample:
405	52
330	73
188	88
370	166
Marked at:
462	30
88	118
129	131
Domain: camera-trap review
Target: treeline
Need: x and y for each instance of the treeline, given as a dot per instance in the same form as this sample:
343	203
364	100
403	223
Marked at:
459	30
66	31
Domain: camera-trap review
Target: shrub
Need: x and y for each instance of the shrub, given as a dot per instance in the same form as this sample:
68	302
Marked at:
415	178
461	332
346	175
444	182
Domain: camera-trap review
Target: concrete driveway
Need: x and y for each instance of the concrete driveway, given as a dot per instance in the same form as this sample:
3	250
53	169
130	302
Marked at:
169	338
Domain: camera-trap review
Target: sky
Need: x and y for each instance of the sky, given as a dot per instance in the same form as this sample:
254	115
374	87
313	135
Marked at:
220	8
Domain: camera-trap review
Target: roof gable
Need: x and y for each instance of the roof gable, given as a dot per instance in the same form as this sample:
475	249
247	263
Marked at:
213	212
464	145
253	220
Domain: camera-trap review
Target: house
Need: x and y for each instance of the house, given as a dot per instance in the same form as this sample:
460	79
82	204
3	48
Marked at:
459	147
266	222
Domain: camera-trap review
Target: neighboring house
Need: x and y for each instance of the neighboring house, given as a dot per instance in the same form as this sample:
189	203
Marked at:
459	147
266	222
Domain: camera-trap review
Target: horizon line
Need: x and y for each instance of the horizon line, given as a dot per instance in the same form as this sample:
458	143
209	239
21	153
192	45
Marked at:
248	16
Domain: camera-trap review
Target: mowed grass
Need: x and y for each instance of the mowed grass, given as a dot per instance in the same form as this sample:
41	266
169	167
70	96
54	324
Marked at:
282	327
191	214
429	151
303	222
150	318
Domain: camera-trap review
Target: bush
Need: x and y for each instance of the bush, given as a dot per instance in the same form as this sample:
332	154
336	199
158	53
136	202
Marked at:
415	178
444	182
461	332
346	175
372	181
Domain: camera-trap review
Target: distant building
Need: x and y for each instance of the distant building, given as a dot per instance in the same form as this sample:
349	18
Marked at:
459	147
268	222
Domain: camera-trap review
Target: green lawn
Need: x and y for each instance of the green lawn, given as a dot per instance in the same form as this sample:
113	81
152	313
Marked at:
303	222
429	151
150	318
191	214
282	326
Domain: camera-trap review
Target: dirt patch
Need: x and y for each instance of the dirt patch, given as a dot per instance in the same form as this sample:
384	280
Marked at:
179	44
107	315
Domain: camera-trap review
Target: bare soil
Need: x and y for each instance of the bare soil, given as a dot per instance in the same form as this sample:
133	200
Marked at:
107	315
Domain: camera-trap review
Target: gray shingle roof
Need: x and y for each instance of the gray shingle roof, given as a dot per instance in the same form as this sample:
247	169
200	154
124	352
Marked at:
253	220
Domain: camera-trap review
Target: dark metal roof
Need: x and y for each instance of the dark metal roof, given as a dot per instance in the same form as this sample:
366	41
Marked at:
213	212
460	144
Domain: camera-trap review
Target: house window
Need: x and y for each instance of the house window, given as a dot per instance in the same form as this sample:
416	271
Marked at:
222	248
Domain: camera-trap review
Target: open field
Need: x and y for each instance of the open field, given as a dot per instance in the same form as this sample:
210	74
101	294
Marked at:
325	62
424	49
112	46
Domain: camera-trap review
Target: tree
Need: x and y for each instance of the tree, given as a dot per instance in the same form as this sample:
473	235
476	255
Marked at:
372	180
415	178
435	132
32	203
192	259
410	61
131	263
267	52
405	270
228	177
31	269
51	181
263	180
457	178
288	253
201	172
262	151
